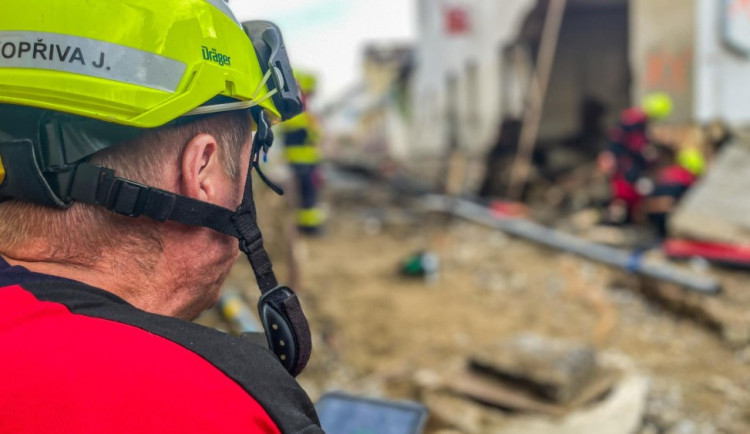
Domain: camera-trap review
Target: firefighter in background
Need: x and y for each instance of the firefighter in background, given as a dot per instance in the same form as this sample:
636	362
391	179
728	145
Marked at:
301	136
630	155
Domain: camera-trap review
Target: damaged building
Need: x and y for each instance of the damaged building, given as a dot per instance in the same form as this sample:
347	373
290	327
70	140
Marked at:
475	64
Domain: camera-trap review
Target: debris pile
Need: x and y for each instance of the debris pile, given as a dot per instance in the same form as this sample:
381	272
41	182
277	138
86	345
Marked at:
711	222
550	373
531	383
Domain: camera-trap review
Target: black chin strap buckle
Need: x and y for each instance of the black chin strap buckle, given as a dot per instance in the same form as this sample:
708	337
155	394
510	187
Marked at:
279	309
262	143
286	328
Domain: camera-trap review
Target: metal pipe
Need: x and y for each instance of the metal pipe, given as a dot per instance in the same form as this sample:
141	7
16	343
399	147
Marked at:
631	262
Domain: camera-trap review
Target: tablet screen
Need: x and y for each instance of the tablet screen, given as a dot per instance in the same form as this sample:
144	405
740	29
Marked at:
343	414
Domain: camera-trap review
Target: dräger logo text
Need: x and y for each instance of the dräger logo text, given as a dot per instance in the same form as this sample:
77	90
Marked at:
214	56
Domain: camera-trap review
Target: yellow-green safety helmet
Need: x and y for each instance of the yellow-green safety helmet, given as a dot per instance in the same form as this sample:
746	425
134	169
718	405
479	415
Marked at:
692	160
657	105
78	76
140	63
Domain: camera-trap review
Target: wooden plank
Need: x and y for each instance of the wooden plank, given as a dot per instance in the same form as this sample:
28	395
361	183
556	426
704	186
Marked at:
489	390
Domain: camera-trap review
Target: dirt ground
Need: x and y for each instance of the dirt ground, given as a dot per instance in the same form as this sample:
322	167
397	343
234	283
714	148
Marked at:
374	331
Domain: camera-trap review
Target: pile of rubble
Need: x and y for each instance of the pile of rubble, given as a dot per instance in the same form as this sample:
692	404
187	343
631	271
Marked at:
533	384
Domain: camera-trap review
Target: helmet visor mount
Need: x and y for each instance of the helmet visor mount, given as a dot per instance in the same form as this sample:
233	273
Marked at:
272	56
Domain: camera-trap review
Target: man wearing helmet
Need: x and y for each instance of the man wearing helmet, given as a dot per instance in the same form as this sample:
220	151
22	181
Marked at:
126	147
301	136
627	156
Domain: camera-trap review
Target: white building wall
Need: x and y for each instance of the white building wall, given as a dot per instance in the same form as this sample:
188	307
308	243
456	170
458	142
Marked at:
722	84
494	24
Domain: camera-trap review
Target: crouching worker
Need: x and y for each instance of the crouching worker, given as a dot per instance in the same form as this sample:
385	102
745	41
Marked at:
128	131
629	157
671	184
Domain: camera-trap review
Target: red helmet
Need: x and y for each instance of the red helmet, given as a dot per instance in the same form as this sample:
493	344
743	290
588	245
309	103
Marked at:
633	117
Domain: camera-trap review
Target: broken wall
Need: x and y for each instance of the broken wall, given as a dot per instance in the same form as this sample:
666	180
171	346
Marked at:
472	57
662	39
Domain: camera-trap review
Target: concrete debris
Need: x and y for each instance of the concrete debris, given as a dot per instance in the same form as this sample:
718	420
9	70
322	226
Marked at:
551	369
610	397
731	323
711	211
498	285
490	391
619	412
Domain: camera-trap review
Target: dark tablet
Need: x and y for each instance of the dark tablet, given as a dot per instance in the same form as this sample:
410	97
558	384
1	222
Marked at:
345	414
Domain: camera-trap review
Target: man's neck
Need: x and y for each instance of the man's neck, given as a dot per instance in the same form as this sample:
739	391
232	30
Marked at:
119	278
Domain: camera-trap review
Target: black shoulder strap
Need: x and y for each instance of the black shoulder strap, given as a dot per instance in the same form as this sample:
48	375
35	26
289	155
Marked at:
251	366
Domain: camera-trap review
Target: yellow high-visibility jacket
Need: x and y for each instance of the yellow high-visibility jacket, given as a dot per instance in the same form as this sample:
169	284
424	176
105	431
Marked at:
301	135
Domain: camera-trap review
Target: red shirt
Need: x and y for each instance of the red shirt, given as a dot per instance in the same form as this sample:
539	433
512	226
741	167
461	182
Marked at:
78	359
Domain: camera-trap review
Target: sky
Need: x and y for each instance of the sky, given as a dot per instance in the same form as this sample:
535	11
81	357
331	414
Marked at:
326	36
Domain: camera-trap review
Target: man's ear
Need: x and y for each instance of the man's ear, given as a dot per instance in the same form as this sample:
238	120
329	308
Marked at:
201	169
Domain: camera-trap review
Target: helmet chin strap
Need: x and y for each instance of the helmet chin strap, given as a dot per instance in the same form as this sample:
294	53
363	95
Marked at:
280	312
